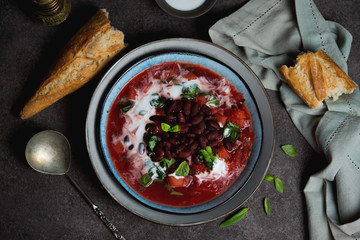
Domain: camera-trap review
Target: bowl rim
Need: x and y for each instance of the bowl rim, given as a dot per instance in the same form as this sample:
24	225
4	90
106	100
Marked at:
197	12
212	51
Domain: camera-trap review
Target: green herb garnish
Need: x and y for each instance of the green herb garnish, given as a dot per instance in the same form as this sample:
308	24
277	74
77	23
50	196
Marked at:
191	91
267	206
142	112
269	178
183	169
166	163
277	182
234	219
156	101
126	105
208	157
167	128
152	142
146	179
278	185
231	130
290	150
212	100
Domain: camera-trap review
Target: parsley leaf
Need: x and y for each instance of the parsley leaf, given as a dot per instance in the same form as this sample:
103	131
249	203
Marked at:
152	142
191	91
183	169
231	130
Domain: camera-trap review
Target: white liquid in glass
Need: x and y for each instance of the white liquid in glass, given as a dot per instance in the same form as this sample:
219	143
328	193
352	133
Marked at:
185	5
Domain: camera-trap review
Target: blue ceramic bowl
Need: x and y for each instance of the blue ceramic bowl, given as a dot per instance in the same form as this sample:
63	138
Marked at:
208	63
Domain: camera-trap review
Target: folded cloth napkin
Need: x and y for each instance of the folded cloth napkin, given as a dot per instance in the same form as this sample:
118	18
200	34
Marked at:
269	33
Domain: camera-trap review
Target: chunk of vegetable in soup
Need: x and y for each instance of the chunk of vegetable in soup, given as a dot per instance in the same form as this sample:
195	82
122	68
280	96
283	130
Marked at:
179	134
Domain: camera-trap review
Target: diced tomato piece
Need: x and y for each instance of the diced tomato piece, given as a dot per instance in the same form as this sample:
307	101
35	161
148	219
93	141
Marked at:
132	94
221	119
119	147
223	153
239	117
190	76
174	181
201	100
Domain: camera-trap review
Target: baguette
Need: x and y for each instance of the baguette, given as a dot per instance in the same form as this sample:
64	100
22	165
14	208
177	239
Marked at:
316	77
87	52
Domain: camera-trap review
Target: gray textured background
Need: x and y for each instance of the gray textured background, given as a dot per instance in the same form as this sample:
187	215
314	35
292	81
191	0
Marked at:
38	206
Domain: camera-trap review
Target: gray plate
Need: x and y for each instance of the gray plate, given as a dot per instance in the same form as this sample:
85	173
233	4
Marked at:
211	51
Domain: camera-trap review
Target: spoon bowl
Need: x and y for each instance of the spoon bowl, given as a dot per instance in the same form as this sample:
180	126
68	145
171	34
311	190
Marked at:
49	152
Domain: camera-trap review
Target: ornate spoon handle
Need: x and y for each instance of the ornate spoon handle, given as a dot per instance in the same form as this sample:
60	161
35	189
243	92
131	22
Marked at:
106	221
97	210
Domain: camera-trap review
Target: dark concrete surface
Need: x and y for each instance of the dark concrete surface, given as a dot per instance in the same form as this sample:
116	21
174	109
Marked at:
38	206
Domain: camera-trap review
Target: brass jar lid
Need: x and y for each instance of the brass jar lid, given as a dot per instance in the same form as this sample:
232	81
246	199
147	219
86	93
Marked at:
51	12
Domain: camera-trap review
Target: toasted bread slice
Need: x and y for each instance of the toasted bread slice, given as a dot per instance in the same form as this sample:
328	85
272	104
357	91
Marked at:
87	52
316	77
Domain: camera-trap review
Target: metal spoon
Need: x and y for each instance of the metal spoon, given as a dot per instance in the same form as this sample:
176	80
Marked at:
49	152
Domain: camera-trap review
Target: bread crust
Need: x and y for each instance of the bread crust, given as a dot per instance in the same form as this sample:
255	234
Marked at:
87	52
316	77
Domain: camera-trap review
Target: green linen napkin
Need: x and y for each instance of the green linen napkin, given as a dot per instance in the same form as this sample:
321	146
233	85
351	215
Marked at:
269	33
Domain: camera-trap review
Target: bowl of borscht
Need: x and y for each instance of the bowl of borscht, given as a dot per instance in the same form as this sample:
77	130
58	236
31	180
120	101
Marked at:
180	132
177	134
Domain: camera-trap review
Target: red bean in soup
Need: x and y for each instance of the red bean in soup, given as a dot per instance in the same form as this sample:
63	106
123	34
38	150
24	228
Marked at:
179	134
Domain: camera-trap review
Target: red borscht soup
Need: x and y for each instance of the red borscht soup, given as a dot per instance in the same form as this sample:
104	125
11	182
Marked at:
179	134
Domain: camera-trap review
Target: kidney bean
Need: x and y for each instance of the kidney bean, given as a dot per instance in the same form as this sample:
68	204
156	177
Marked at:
172	107
206	110
185	153
212	135
179	105
173	141
159	150
212	143
220	135
167	153
195	129
202	126
209	117
202	141
131	147
192	171
167	144
179	148
187	108
181	117
156	118
171	118
194	109
182	138
183	127
194	146
213	124
156	158
151	127
189	140
196	119
227	144
195	159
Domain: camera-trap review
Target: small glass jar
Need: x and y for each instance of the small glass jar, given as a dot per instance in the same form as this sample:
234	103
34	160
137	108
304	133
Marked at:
51	12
